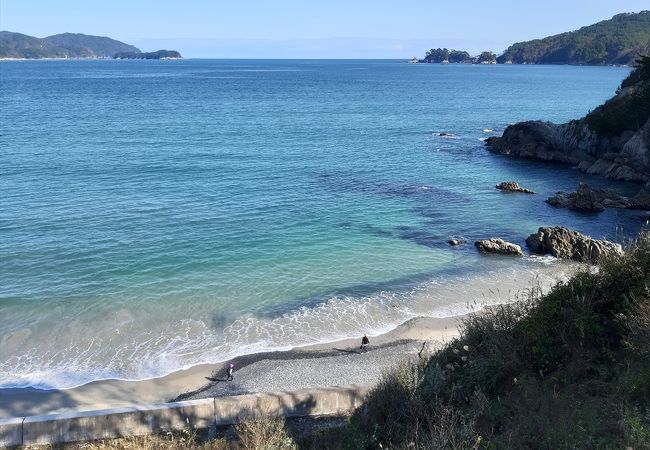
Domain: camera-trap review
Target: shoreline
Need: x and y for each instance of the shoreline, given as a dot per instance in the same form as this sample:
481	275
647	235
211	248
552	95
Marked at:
331	322
315	365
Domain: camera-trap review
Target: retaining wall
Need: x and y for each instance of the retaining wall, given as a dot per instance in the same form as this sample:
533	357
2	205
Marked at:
188	415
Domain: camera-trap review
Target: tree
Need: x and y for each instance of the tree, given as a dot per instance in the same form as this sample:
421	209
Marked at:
437	55
487	58
458	56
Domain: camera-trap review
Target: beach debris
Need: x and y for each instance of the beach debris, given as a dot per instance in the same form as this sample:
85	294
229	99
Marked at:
499	246
512	186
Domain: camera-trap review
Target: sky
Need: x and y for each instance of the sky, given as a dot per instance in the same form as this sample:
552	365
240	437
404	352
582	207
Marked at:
310	28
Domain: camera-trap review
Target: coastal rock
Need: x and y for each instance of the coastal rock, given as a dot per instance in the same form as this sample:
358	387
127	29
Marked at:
455	241
499	246
532	140
564	243
512	186
616	157
613	140
641	200
596	200
584	199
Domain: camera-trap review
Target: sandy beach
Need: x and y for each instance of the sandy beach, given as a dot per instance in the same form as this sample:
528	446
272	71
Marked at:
327	364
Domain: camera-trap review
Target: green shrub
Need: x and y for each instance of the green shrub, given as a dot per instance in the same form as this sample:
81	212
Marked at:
570	369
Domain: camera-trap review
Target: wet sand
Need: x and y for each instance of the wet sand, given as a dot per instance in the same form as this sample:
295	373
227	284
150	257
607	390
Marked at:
319	365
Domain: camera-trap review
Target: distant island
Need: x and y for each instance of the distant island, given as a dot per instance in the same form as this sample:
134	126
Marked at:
72	45
160	54
442	55
617	41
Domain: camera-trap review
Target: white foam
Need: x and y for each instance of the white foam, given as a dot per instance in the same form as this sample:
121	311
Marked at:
143	352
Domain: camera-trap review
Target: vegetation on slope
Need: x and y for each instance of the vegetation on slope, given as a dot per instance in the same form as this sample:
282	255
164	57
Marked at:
66	45
17	45
570	369
73	45
629	109
618	40
79	45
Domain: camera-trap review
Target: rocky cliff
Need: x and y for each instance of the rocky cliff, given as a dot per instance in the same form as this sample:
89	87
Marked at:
613	140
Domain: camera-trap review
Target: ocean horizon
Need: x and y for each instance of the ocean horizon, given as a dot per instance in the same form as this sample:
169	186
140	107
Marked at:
158	215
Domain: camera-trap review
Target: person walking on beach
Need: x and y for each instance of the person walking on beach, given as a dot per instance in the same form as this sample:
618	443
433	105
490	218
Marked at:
364	344
231	368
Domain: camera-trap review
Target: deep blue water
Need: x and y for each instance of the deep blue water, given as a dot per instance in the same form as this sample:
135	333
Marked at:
159	214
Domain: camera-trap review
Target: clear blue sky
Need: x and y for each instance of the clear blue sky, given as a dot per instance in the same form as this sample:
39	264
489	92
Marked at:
328	28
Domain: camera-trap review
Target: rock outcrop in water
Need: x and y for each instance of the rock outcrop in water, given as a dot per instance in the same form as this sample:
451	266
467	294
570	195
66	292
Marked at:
588	199
642	199
564	243
512	186
596	200
498	246
613	140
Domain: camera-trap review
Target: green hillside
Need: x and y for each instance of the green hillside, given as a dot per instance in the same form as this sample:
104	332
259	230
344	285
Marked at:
84	46
66	45
17	45
618	40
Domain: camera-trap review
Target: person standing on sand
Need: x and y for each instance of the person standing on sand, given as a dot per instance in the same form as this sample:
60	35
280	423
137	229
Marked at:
364	344
231	368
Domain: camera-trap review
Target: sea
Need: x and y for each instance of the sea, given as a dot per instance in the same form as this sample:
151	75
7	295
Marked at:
156	215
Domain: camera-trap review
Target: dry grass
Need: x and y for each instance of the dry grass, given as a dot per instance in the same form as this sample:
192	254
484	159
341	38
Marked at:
264	434
261	434
171	441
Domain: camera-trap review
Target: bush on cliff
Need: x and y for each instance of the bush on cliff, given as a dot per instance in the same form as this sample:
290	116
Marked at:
625	112
570	369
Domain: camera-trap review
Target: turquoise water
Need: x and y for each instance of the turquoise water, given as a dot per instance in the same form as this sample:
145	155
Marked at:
159	214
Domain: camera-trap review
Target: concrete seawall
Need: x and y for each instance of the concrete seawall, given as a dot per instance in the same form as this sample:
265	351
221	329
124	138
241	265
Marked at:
188	415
